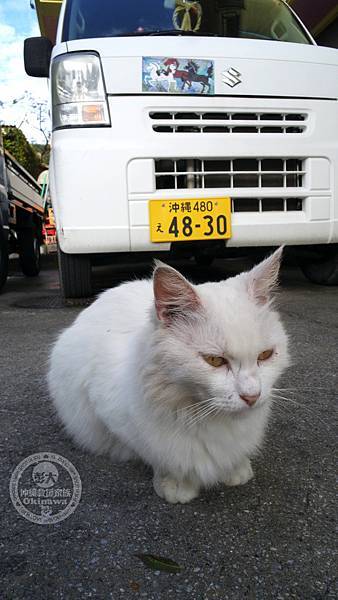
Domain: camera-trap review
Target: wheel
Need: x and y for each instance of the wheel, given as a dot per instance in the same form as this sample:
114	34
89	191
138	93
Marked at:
29	251
75	274
3	262
203	260
323	271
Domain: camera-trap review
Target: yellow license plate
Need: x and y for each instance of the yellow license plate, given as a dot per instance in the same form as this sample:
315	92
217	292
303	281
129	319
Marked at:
184	220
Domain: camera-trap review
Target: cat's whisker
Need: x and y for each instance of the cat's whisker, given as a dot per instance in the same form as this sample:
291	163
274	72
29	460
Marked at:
194	409
291	400
196	416
289	390
188	421
194	406
293	403
202	416
287	409
282	408
282	397
200	402
198	420
197	411
286	399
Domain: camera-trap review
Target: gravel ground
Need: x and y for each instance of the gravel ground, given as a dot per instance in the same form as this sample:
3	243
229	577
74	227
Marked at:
270	539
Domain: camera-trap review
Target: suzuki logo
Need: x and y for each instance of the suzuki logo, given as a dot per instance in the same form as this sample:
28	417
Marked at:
231	77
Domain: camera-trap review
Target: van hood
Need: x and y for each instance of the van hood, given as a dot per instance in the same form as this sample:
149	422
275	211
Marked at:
214	66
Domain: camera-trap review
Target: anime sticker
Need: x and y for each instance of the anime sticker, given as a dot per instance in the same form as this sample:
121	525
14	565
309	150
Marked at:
177	75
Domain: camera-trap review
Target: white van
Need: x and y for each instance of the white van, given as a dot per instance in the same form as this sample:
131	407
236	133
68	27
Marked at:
196	127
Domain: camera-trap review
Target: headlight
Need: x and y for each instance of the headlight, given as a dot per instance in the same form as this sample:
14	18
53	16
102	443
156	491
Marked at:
78	94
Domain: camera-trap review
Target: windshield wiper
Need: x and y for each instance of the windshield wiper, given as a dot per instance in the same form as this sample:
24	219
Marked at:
179	32
167	32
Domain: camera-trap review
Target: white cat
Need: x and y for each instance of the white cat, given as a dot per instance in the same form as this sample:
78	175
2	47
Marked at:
176	374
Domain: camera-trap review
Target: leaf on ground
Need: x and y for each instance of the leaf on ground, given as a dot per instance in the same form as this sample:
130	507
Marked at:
134	586
159	563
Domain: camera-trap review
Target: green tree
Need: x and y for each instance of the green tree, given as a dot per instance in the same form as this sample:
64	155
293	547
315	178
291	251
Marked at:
17	144
43	152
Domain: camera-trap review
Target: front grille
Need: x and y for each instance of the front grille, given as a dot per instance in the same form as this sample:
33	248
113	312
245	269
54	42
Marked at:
266	204
228	173
228	122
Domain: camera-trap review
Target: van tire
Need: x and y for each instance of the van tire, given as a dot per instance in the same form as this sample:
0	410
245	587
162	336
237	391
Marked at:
323	271
203	260
29	251
3	261
75	275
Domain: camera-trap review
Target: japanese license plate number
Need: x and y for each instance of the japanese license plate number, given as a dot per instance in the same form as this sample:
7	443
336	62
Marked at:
183	220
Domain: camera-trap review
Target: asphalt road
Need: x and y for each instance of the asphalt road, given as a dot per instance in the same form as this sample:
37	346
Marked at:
270	539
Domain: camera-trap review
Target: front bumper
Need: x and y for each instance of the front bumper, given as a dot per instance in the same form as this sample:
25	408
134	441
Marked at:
103	178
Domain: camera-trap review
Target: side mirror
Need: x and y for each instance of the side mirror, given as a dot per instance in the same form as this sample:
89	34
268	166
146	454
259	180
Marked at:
37	52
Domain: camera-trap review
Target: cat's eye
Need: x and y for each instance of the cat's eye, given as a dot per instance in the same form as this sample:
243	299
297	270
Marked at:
265	355
215	361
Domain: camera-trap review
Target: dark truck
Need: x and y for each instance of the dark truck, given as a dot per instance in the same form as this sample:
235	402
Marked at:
21	216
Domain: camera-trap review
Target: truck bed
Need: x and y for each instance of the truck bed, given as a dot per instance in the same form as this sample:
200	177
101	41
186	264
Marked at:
23	190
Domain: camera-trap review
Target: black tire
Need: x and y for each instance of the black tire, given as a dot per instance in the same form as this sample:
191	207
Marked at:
75	275
29	251
3	262
203	260
323	271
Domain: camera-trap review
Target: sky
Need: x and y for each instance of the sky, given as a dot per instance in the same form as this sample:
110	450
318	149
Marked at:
18	21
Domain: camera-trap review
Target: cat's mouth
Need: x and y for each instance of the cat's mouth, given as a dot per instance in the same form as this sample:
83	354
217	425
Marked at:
239	405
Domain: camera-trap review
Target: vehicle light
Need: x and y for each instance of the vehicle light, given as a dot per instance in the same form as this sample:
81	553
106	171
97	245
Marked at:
92	113
79	98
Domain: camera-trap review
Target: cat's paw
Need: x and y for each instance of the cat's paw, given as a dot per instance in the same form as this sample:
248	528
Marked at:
241	475
174	491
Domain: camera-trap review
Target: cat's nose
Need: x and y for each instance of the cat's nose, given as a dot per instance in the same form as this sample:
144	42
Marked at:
250	400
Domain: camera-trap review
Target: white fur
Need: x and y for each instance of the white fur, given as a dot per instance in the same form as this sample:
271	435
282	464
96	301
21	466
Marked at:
128	378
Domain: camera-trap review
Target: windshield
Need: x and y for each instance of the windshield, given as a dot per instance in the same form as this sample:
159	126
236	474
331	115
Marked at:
254	19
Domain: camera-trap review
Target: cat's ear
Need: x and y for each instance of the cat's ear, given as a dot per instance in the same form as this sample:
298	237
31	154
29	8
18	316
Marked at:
263	278
174	295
